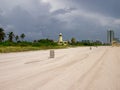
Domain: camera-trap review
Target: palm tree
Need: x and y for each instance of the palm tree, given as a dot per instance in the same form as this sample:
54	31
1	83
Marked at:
16	38
11	36
2	34
22	36
73	40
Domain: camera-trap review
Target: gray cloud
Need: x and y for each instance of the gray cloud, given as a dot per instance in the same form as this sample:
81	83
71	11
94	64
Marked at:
107	7
63	11
81	19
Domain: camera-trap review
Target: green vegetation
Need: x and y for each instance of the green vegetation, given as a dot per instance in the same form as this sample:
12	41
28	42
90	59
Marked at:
15	43
73	41
27	48
10	36
2	34
8	46
84	42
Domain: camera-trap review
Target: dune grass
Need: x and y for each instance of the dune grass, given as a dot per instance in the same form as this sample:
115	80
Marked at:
8	49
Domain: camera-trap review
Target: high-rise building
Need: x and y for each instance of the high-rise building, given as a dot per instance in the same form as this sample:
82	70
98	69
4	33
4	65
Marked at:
110	36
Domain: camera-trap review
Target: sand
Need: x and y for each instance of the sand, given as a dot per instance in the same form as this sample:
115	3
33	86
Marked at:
71	69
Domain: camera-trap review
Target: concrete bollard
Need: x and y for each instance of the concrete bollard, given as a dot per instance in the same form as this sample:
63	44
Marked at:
52	54
90	48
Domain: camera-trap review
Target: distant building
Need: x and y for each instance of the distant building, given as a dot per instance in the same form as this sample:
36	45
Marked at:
117	40
110	36
87	41
60	40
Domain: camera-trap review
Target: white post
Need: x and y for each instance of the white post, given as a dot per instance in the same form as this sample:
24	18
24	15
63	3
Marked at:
52	54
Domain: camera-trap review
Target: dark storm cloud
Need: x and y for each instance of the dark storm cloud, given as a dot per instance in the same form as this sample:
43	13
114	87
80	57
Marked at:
82	19
20	20
107	7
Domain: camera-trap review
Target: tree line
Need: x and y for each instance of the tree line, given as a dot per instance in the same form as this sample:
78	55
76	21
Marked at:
10	36
10	39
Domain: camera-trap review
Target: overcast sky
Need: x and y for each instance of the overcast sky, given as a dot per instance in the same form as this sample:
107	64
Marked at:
82	19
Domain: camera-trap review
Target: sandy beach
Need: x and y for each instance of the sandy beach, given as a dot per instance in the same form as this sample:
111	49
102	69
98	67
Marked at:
72	69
